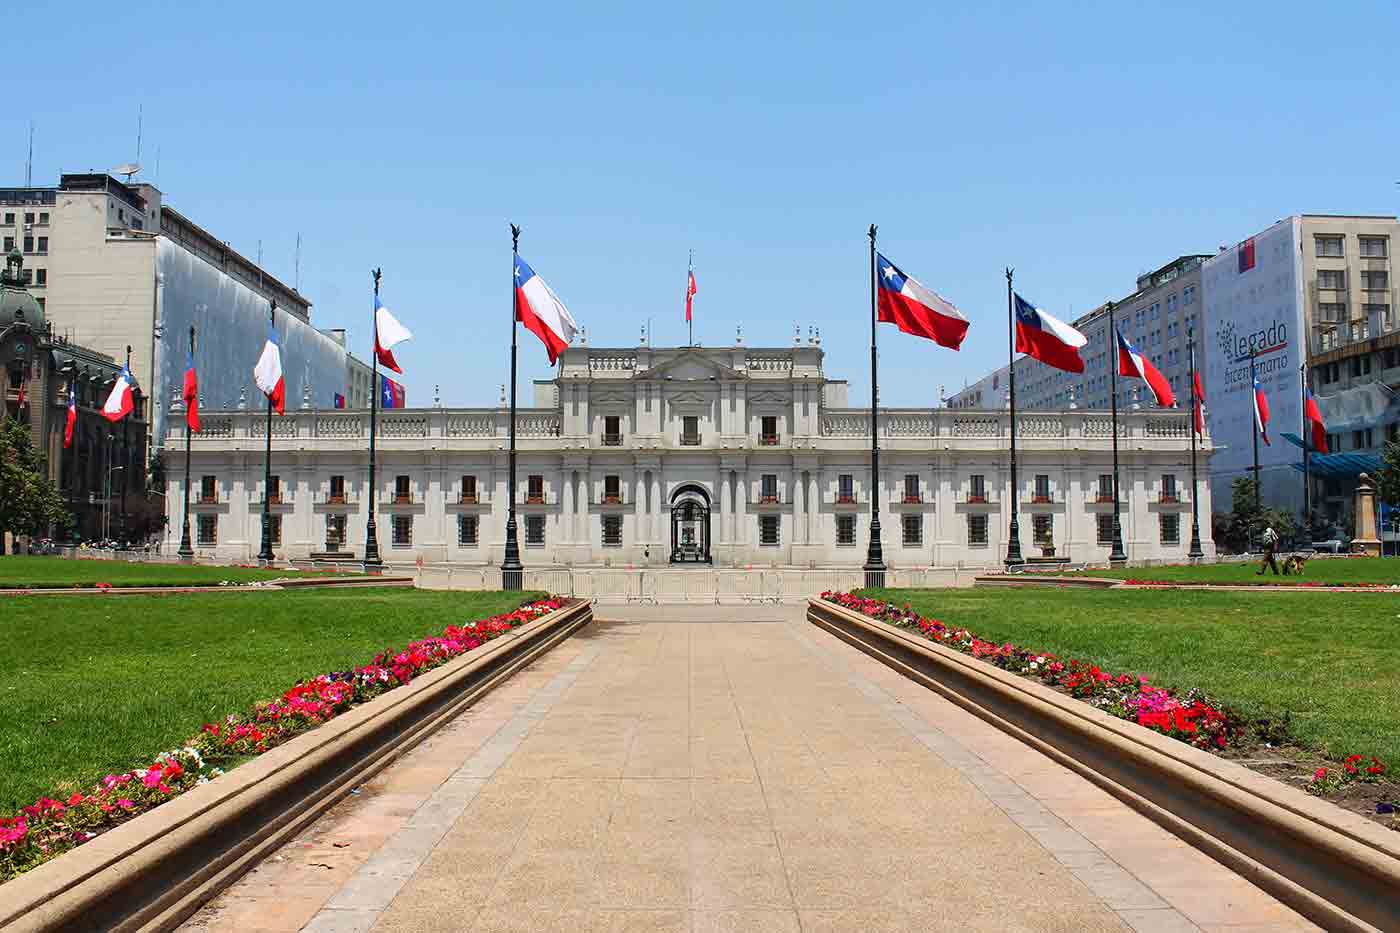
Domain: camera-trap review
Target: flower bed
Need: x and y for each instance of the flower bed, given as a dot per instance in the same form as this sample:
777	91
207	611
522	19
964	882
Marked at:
50	827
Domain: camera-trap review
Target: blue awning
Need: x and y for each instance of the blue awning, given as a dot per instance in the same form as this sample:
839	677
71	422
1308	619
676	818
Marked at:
1341	466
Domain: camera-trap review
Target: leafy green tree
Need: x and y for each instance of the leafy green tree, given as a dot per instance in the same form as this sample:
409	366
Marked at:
1246	521
29	503
1388	477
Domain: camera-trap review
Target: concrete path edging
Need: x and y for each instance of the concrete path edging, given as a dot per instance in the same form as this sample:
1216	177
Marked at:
155	871
1334	867
336	582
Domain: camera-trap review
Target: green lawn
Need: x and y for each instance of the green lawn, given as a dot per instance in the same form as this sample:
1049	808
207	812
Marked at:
1338	570
30	571
91	685
1328	660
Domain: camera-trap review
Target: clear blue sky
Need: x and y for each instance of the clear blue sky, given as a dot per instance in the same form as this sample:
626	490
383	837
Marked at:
1081	143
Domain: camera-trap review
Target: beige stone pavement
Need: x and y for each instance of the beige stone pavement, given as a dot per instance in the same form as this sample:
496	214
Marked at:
731	769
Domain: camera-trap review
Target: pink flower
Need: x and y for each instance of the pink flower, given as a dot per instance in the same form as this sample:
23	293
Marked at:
152	777
126	804
1320	774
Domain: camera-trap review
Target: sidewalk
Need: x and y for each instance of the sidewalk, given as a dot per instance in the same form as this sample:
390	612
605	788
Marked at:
700	771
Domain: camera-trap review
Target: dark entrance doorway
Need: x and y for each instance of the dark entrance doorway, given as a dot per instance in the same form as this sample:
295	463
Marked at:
690	525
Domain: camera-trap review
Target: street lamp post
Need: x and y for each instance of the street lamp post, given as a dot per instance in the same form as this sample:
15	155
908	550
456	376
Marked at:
186	551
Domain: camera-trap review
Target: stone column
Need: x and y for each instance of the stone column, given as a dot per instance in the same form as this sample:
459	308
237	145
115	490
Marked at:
658	509
581	536
640	534
799	524
814	508
726	534
569	522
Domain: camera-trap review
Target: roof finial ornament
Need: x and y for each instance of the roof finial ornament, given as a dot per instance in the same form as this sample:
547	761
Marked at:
437	396
503	394
644	336
819	336
583	336
243	398
796	334
1072	405
739	334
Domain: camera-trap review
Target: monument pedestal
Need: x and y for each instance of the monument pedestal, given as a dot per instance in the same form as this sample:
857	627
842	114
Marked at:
1365	540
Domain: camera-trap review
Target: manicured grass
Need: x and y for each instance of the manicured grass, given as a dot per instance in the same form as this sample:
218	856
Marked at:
26	570
1335	570
91	685
1330	661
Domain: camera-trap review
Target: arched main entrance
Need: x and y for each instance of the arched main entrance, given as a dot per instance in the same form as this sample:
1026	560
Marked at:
690	525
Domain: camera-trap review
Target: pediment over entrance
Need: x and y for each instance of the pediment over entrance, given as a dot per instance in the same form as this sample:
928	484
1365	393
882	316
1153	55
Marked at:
691	365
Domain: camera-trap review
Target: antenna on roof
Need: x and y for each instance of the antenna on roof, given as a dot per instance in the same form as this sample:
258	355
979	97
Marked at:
29	163
140	113
296	280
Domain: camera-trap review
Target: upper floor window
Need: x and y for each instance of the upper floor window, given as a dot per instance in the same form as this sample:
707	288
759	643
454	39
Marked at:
1375	279
29	244
208	489
337	488
43	217
9	217
43	244
468	488
977	488
274	489
1328	245
845	488
41	276
911	487
534	488
768	430
690	431
29	217
1105	491
768	488
612	431
1374	247
402	489
534	530
1335	279
1042	487
612	488
1331	312
1169	493
1188	295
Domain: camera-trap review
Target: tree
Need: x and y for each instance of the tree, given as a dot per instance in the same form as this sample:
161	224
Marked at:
29	503
1246	521
1388	476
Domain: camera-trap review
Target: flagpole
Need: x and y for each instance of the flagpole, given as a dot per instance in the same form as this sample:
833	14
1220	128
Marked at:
126	451
73	456
1254	402
1014	561
186	551
1117	555
1195	552
512	572
874	556
265	553
689	323
372	561
1305	436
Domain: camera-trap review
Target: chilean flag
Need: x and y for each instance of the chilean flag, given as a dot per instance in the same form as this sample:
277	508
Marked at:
191	394
541	311
1261	412
391	394
914	309
72	415
268	373
1133	363
1048	339
120	403
339	400
1200	405
1313	416
690	290
388	333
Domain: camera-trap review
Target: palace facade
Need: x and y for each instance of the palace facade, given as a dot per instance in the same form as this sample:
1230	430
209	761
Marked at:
731	456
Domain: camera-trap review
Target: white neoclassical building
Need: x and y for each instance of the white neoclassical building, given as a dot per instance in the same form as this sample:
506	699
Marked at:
733	456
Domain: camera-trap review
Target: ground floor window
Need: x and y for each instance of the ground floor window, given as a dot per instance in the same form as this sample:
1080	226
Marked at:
208	530
534	529
403	531
1043	530
846	530
913	530
977	530
768	530
274	525
1170	526
612	531
467	530
1105	522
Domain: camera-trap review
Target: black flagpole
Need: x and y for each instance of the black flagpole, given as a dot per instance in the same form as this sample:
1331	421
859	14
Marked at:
1196	552
186	551
874	555
1254	403
265	554
126	453
1117	555
1306	437
372	561
1014	561
512	572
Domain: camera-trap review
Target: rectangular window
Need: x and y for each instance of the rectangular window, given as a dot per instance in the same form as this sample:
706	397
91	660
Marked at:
9	243
977	530
1105	490
335	532
1169	493
1105	523
690	431
402	489
468	489
41	276
29	217
911	488
274	489
43	217
208	530
1042	487
1188	295
1169	525
913	531
846	530
1328	246
612	431
534	489
337	489
1335	279
1375	280
43	245
846	488
29	244
403	531
1374	247
1360	366
274	527
768	433
9	217
977	488
208	489
1171	304
534	530
1331	312
768	530
768	488
612	489
467	530
1043	530
612	531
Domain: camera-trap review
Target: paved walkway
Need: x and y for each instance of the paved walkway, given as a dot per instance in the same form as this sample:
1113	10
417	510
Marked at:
731	769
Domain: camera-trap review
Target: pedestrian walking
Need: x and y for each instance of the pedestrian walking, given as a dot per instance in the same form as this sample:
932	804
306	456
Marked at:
1270	541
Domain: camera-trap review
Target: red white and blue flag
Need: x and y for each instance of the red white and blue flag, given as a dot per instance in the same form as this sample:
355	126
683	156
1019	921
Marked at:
388	333
1261	412
391	394
916	310
191	394
339	400
1313	416
268	373
72	415
690	289
541	311
1046	338
120	403
1134	364
1199	405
